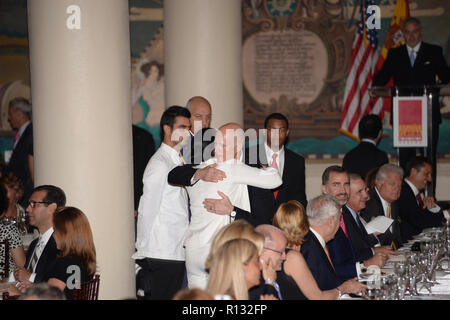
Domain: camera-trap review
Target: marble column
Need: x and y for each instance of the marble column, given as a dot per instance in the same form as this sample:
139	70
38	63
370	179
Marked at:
202	55
80	86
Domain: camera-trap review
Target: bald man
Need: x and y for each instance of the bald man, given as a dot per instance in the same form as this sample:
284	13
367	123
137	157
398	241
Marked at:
200	110
204	225
228	145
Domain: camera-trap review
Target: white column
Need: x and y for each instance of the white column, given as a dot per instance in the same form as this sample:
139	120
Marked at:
202	55
80	80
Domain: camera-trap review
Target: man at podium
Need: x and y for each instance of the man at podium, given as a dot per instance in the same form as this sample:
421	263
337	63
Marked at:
416	64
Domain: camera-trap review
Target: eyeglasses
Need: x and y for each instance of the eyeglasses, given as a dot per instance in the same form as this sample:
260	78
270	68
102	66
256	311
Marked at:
280	252
32	203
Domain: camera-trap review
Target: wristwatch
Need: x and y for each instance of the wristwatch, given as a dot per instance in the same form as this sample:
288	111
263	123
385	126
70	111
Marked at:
340	293
233	213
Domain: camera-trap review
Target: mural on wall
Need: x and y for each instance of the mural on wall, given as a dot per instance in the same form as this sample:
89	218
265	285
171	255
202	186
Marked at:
296	57
147	75
295	61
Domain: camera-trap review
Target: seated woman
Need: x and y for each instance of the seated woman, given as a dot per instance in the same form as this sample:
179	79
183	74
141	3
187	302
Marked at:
77	261
10	232
295	279
234	270
15	213
241	229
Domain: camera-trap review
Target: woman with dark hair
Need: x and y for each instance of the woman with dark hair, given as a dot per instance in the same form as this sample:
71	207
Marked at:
15	213
10	232
77	261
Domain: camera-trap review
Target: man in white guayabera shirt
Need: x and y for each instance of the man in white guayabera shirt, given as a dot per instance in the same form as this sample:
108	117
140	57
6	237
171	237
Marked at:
163	213
204	225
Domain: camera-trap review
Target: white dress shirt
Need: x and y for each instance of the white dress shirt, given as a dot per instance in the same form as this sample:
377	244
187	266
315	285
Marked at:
279	159
385	204
204	225
163	210
416	50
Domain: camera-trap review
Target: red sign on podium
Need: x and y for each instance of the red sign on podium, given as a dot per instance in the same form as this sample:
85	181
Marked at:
410	121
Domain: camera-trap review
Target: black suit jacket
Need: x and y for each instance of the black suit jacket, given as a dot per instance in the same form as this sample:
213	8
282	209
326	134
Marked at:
143	149
46	260
374	208
412	217
364	157
429	63
362	243
18	164
262	203
318	263
293	186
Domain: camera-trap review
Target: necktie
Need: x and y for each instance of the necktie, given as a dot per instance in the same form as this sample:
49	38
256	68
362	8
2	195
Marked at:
342	225
16	139
36	255
328	255
388	214
420	201
412	57
274	165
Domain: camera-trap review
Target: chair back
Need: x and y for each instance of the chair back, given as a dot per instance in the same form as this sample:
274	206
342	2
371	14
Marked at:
4	259
88	290
6	296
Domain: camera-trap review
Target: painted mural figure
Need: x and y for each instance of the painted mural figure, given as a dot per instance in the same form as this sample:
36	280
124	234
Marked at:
149	99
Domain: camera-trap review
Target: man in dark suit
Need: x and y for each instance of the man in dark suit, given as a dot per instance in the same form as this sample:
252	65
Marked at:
415	63
383	196
273	152
21	163
42	252
362	242
419	212
336	183
366	155
324	214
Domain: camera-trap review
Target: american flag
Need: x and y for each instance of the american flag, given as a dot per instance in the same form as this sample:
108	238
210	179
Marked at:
357	102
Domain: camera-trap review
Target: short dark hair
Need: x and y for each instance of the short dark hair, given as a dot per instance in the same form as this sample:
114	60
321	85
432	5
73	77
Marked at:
327	172
54	194
369	126
417	163
168	117
277	116
411	20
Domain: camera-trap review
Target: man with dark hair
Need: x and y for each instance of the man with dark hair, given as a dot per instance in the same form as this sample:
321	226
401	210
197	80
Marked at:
273	152
419	212
21	162
163	213
416	63
366	155
42	251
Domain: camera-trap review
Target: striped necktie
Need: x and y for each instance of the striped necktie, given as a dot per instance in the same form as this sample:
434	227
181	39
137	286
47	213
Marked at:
36	254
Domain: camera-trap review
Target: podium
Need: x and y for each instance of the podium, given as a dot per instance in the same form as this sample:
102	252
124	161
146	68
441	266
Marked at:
431	94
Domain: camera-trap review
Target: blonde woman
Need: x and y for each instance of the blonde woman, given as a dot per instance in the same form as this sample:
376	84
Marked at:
234	269
241	229
295	279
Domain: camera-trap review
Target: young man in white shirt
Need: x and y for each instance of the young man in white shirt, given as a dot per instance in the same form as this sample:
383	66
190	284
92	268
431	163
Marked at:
163	213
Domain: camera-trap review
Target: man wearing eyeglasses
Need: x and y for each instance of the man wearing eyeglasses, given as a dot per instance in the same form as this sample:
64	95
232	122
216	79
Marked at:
42	252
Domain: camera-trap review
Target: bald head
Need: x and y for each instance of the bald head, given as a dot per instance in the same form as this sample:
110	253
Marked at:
200	109
229	142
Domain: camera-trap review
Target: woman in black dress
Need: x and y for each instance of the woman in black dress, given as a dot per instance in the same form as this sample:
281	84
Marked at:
77	261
